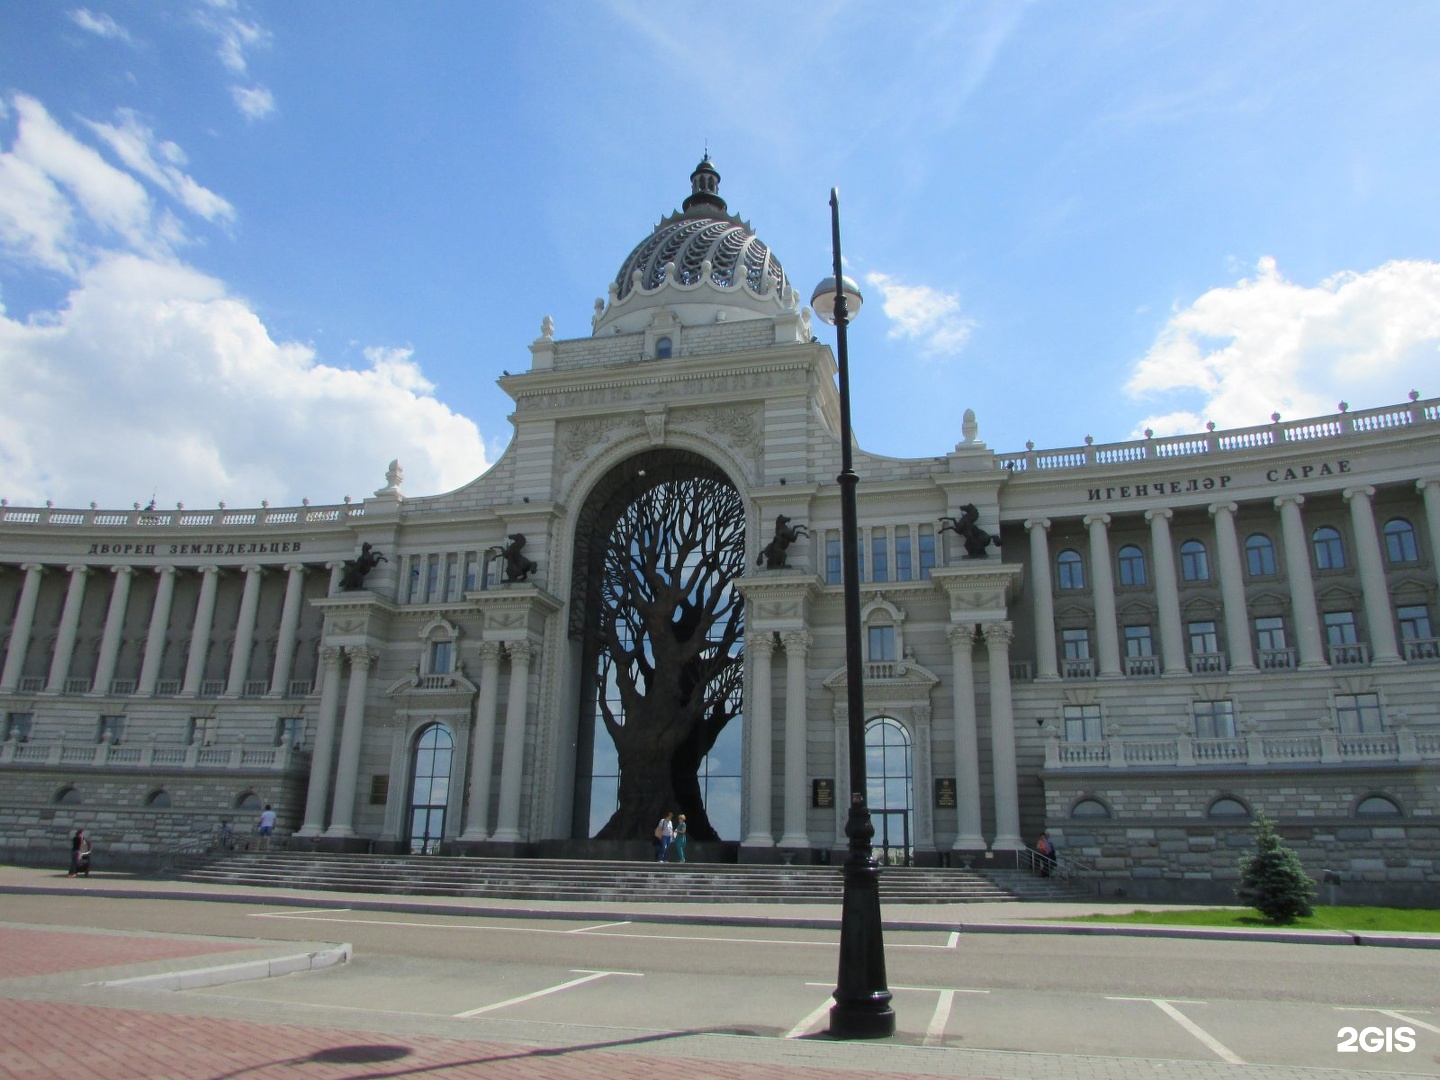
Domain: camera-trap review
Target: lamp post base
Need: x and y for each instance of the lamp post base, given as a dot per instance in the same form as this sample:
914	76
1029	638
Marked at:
862	998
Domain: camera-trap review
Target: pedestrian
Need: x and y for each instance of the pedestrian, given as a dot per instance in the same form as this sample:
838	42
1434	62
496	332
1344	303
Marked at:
267	826
680	830
227	837
666	832
80	854
1047	854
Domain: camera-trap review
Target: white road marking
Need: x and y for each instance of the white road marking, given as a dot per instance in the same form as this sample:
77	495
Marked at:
1392	1013
935	1033
1223	1052
602	926
804	1026
954	939
944	990
589	977
291	912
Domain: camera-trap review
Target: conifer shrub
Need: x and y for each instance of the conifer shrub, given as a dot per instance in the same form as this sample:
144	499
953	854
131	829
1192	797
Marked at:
1272	879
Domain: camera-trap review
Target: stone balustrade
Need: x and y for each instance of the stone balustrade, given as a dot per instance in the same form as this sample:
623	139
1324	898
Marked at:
1403	747
148	755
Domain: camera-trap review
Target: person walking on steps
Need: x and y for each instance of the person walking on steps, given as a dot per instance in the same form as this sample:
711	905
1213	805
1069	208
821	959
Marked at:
267	826
680	829
1047	854
665	831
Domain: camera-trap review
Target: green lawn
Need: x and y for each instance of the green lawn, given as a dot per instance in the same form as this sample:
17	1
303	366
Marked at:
1424	920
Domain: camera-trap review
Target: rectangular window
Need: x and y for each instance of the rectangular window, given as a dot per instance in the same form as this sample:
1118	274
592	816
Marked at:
1215	719
1204	638
1138	641
111	730
1359	714
1270	632
414	595
471	566
832	558
1077	644
432	579
1414	622
1340	628
1082	723
879	556
441	653
882	644
903	571
452	572
18	726
927	551
291	728
202	730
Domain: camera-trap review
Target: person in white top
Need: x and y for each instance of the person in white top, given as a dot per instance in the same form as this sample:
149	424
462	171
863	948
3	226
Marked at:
267	826
666	831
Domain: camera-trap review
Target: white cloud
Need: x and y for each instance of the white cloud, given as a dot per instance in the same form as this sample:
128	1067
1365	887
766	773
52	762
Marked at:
1268	345
100	25
256	102
923	314
152	376
236	36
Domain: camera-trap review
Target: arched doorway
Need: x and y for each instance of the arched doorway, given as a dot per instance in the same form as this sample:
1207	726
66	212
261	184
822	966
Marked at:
889	771
659	543
430	788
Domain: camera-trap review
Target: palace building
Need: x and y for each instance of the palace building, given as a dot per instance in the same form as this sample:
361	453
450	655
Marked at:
1171	636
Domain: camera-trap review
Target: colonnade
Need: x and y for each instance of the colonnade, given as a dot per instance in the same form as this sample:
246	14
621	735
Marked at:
1295	543
58	678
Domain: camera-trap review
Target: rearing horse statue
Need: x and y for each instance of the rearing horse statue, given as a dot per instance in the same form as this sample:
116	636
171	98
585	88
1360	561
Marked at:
772	555
976	539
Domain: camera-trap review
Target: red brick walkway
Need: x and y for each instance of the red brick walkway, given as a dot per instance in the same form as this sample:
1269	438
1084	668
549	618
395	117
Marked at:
46	952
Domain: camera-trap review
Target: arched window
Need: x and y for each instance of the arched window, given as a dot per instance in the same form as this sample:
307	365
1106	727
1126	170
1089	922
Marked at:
68	796
430	789
890	778
1089	808
1328	547
663	348
1260	555
1132	565
1069	570
1194	561
1377	806
1400	541
1228	807
159	800
248	800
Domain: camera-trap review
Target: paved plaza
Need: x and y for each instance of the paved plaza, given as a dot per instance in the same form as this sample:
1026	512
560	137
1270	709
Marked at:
123	977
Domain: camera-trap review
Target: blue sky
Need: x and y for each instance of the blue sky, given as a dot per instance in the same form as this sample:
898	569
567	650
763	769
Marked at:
255	250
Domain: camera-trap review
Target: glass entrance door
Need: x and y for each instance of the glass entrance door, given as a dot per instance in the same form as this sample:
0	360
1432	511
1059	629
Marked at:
890	789
430	789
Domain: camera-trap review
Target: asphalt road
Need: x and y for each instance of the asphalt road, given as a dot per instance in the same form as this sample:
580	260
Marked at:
547	980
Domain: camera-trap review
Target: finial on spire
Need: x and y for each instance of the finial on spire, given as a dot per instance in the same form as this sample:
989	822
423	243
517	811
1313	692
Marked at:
705	187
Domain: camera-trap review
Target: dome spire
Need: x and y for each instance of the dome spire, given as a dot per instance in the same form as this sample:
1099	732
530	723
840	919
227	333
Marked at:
704	188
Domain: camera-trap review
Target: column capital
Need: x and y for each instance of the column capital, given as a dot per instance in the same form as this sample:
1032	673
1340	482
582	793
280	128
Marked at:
1091	520
79	568
361	657
521	652
166	570
335	564
253	568
1160	513
998	635
1365	491
1215	509
796	641
1282	501
121	571
292	567
211	569
761	643
1037	523
332	656
489	650
961	636
1425	484
38	568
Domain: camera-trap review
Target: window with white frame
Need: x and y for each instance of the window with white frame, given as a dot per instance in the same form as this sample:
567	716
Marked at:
1414	622
1075	644
1340	628
1215	719
1194	561
1359	714
879	556
903	568
1270	633
1069	570
1132	565
881	641
1204	637
1400	546
927	551
1138	641
1083	723
442	657
1328	547
1260	555
833	561
111	730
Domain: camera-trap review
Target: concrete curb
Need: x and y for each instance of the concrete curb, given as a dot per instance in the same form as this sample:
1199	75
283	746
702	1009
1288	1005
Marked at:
230	973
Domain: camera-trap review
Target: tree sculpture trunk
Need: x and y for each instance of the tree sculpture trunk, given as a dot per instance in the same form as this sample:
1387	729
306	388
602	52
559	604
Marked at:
670	626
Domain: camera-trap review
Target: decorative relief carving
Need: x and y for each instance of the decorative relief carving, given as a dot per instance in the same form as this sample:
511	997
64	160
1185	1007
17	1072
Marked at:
757	382
347	626
582	436
739	426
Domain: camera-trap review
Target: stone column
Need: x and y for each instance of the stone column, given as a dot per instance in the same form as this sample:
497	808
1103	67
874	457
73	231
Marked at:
244	632
114	624
1383	648
1102	588
1430	492
69	627
512	760
797	647
1002	738
337	571
24	624
968	836
1047	666
159	627
482	745
1232	588
1167	594
758	647
1302	588
352	733
318	792
200	634
289	630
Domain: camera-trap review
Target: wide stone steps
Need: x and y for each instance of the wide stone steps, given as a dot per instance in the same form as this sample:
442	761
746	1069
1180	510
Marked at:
580	880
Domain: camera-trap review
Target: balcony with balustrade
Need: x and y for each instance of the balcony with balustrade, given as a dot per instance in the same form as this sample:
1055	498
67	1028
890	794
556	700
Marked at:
1403	746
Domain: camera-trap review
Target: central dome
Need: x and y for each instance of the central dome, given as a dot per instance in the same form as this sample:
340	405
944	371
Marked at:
702	263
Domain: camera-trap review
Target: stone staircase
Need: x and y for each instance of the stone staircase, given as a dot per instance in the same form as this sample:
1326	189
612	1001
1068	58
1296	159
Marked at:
596	881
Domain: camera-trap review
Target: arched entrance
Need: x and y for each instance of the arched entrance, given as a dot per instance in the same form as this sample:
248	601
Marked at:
659	543
430	788
889	771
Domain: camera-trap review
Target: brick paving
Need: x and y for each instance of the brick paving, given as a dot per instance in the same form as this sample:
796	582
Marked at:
42	951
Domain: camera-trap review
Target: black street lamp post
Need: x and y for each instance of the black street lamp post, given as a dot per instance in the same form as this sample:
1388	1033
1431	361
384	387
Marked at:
862	999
